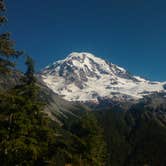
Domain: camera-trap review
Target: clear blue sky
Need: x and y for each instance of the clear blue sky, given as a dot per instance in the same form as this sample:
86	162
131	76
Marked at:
130	33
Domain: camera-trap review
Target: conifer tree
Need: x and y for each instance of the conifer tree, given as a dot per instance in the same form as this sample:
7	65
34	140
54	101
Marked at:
2	9
25	135
7	50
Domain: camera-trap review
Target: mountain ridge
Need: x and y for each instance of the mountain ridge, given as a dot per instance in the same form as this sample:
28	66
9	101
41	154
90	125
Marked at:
85	77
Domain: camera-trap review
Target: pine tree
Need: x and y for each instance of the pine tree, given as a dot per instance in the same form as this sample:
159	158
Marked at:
25	135
2	9
7	50
30	87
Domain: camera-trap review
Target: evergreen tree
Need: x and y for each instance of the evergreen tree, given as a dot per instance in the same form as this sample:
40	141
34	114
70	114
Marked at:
30	71
2	9
7	50
25	132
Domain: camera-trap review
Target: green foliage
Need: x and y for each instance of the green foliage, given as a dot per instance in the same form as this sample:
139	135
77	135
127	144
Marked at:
25	133
2	9
89	145
116	132
7	50
136	137
30	79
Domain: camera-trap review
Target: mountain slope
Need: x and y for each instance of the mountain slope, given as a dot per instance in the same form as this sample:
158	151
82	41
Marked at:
136	137
84	77
56	107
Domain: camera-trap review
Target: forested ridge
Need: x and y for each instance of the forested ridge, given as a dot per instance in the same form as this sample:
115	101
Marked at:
136	137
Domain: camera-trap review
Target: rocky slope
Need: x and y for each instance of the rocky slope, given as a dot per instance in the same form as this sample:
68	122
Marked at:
56	107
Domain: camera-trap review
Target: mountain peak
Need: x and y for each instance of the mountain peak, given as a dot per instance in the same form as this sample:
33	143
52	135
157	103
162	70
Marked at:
84	58
81	55
83	77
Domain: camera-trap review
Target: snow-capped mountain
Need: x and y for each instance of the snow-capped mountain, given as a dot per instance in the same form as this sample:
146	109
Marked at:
85	77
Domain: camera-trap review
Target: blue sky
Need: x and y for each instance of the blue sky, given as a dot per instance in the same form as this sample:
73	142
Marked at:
129	33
